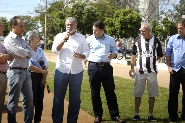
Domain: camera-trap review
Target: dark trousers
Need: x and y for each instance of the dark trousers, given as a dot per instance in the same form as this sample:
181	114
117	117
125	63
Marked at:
38	95
102	75
175	80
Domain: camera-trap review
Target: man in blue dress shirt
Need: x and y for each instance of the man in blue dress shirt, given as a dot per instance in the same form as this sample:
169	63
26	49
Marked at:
175	58
102	50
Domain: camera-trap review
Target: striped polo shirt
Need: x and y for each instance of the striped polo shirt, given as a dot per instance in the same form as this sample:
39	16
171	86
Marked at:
147	51
3	67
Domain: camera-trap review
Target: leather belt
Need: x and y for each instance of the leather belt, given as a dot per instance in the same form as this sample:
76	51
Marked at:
2	72
99	63
19	68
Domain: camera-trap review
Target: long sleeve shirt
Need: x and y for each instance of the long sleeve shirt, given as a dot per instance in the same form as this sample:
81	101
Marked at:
66	62
20	48
100	48
176	50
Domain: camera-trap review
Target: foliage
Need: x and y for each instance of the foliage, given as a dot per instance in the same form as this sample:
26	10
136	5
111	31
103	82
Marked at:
85	15
125	23
30	23
175	13
165	29
124	91
6	25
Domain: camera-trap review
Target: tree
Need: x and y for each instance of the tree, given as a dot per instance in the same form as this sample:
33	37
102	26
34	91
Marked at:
85	15
176	11
6	26
165	29
125	24
30	23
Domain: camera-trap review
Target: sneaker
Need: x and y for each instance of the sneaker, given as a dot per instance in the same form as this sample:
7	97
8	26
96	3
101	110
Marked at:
136	117
151	119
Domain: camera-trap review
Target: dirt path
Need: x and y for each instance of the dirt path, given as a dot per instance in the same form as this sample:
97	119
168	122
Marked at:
120	70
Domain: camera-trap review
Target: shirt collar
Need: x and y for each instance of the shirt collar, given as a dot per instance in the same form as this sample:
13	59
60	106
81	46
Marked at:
100	38
14	35
179	37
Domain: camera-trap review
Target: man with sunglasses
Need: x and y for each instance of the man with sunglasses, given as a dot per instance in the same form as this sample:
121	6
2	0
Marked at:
148	50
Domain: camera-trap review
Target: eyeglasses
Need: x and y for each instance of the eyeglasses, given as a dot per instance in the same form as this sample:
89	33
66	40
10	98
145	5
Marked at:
142	31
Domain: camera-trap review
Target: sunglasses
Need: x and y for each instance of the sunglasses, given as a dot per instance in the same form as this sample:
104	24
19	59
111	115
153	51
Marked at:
142	31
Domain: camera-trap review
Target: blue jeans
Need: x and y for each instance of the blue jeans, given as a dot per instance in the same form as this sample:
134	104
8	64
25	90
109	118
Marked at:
61	82
19	81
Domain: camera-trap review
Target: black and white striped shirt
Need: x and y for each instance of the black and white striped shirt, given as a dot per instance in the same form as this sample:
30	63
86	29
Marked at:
147	51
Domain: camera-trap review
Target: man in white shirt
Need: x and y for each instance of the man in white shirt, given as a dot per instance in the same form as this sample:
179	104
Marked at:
72	49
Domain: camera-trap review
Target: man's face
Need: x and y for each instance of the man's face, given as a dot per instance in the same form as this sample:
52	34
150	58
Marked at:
181	30
1	29
71	25
144	32
19	28
98	32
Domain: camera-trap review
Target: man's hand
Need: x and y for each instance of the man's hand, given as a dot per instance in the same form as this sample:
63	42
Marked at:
3	58
131	72
77	55
112	55
44	72
170	70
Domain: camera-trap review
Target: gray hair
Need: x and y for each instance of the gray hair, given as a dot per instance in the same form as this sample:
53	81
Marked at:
72	19
30	34
147	25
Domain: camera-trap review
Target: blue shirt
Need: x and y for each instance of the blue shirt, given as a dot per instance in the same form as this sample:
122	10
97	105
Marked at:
100	48
35	60
176	49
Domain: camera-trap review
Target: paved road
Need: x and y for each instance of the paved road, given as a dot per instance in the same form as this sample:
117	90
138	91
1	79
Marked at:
120	69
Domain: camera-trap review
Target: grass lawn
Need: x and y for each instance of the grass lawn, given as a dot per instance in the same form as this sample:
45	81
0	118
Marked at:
124	90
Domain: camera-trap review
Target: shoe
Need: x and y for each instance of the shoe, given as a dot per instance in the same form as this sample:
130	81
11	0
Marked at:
136	117
172	119
118	119
98	120
151	118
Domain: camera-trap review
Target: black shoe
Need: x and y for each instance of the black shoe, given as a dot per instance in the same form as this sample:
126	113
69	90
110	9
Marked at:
151	118
118	119
136	117
183	117
98	120
172	119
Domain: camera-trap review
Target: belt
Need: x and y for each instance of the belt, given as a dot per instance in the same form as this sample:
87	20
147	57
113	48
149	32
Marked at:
99	63
19	68
2	72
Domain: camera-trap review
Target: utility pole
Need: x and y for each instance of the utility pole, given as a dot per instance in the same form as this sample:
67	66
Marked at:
45	43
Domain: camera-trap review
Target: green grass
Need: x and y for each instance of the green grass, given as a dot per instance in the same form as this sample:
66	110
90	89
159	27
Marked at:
124	91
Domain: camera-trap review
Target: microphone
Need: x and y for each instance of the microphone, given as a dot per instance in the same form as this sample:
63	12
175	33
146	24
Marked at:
68	32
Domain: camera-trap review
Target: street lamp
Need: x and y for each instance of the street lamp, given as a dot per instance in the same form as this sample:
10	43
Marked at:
45	43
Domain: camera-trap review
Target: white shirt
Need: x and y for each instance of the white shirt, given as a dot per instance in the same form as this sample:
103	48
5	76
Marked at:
66	62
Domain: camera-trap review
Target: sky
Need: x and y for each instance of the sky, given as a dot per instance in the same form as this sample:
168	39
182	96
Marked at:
10	8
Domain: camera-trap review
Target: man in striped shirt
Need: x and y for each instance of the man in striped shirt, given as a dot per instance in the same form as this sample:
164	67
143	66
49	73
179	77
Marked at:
19	79
4	56
148	50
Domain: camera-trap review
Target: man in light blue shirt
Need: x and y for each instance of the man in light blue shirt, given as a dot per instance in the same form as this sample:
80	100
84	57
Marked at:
102	50
175	58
